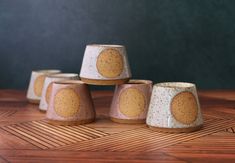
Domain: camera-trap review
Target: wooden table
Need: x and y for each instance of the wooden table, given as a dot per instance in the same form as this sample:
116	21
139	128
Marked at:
26	137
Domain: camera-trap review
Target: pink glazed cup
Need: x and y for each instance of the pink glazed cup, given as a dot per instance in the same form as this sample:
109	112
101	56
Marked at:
130	102
70	103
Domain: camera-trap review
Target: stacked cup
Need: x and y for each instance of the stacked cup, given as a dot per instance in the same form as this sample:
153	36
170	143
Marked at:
174	107
70	103
105	65
47	87
36	83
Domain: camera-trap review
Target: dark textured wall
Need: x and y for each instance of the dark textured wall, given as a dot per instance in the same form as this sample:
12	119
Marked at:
166	40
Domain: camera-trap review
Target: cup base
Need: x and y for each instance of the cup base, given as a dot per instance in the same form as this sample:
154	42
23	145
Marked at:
128	121
33	101
104	82
42	111
176	130
69	123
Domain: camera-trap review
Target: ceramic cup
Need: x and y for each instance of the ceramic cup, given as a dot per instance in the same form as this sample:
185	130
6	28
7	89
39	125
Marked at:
105	65
36	83
174	107
70	103
130	102
46	91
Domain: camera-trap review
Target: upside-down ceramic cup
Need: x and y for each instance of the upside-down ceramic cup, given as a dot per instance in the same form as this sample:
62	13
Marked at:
36	83
70	103
46	91
130	102
105	65
174	107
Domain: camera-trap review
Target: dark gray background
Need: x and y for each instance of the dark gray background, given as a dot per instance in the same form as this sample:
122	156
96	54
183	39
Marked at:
166	40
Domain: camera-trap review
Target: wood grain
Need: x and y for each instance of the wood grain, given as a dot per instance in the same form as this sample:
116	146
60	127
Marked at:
6	113
26	137
45	136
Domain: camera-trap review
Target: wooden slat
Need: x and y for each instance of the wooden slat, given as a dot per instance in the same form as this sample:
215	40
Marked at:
78	156
22	136
143	139
207	143
46	136
231	130
6	113
3	160
209	146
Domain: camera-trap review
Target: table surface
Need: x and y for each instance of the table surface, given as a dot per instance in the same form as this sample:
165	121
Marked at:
26	137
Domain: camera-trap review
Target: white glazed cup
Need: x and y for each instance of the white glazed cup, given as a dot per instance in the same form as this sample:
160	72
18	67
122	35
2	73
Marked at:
105	65
36	84
47	87
174	107
130	102
70	103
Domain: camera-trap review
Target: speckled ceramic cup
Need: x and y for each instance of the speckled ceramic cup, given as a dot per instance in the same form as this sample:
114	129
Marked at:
70	103
130	102
36	84
46	91
174	107
105	65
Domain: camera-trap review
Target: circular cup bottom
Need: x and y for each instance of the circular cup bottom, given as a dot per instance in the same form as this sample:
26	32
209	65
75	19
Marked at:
128	121
104	82
176	130
69	123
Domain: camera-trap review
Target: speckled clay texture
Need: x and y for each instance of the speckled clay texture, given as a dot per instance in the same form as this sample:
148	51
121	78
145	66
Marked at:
86	109
159	113
89	64
30	93
52	78
145	87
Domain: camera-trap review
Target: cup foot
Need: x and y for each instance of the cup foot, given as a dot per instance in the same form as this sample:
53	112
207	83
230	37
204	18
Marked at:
104	82
42	111
69	123
33	101
176	130
128	121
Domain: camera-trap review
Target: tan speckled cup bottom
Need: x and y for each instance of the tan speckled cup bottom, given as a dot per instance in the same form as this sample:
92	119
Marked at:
38	84
132	102
184	107
66	103
176	130
69	123
128	121
33	101
48	93
110	63
104	82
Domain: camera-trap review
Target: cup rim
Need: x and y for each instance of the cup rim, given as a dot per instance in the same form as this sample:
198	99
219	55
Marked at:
62	75
70	82
172	85
47	71
138	82
106	45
